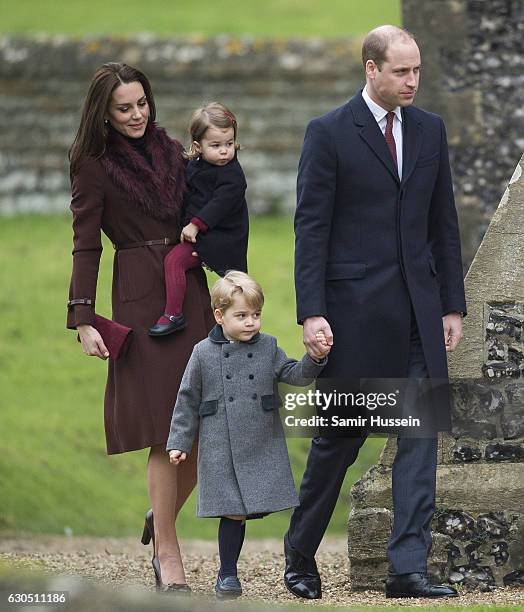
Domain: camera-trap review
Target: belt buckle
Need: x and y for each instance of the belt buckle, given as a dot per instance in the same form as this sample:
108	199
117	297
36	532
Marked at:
166	241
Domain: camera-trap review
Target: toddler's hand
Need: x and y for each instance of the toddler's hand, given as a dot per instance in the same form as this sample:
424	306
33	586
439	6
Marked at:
189	233
177	456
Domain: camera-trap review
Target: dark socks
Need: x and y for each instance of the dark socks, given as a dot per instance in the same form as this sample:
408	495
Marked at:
230	540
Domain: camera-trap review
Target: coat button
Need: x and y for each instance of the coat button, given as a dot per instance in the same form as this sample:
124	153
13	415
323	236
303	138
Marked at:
226	354
250	355
251	377
254	396
228	376
230	399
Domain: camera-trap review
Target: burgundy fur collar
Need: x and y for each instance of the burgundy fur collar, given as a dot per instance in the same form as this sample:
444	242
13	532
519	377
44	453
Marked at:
158	190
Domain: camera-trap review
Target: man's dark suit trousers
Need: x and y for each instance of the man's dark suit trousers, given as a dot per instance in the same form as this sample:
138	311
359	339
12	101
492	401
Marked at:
413	488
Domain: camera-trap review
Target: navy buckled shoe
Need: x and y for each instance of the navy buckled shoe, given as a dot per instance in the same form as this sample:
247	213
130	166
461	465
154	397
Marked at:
228	587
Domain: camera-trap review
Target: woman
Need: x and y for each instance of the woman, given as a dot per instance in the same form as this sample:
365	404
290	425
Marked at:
127	180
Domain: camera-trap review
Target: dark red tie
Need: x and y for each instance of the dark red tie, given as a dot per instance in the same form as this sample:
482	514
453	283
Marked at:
389	136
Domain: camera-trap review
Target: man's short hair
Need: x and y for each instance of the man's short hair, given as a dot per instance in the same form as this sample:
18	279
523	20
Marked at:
236	283
378	41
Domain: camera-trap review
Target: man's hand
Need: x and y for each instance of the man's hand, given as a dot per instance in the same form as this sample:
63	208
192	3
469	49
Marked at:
177	456
319	345
452	324
92	342
189	233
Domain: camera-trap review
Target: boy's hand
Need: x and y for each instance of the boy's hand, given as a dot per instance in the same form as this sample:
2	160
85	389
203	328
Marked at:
323	346
321	338
189	233
177	456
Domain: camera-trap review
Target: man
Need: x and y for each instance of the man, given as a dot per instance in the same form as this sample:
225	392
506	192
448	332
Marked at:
378	270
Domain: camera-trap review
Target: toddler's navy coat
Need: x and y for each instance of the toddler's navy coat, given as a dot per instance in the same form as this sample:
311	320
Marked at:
216	195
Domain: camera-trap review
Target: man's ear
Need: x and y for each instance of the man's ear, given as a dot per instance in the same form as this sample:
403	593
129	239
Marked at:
219	318
371	69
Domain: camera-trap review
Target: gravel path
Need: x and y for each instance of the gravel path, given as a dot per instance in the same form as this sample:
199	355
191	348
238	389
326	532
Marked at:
126	562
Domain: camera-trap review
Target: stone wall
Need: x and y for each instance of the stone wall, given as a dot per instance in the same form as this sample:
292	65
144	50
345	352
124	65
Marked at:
473	75
473	60
273	86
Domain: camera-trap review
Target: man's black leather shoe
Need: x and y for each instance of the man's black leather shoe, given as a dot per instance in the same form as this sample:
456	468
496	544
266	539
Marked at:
416	585
301	575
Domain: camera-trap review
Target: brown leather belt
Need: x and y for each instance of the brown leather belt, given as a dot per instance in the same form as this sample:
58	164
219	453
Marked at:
145	243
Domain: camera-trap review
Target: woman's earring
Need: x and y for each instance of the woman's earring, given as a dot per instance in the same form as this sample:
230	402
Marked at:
106	121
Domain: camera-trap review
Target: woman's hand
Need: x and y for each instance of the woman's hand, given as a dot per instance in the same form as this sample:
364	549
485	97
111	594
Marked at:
189	233
92	342
177	456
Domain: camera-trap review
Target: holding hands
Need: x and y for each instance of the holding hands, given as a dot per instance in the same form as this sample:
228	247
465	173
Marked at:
318	337
177	456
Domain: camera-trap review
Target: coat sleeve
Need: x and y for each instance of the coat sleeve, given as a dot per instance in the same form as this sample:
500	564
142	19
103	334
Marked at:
299	373
184	423
228	195
444	237
316	185
87	206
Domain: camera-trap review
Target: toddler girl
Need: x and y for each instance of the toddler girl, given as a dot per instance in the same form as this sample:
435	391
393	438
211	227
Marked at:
216	221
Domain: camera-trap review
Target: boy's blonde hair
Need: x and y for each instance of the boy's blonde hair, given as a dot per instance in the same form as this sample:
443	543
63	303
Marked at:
234	283
213	114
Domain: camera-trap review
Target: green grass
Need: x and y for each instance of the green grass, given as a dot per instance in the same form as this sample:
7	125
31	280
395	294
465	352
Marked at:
274	18
54	473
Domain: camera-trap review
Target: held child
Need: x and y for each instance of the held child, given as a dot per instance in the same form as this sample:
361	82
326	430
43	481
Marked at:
216	223
229	394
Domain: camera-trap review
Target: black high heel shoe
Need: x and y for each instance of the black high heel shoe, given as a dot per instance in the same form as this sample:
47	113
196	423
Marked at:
148	535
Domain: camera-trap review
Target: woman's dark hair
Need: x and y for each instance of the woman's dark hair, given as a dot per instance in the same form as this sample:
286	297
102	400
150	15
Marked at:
90	139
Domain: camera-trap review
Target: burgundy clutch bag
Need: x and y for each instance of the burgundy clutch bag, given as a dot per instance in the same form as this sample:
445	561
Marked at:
116	337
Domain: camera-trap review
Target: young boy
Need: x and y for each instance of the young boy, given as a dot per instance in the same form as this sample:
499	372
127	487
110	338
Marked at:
229	394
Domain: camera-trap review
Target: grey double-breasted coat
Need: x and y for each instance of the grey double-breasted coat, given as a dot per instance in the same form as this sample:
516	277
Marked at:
229	393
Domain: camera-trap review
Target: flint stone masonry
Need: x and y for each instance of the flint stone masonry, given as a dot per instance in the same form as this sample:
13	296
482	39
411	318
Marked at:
473	75
478	525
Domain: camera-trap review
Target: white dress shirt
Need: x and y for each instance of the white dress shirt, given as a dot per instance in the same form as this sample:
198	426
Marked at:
380	115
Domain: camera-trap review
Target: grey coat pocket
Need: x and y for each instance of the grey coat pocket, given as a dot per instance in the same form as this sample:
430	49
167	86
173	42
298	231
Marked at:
268	402
208	408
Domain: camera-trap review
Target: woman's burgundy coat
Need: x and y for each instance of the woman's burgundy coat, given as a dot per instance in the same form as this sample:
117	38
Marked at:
130	201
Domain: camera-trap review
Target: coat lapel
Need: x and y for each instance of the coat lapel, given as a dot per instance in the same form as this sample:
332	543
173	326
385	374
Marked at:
371	133
412	142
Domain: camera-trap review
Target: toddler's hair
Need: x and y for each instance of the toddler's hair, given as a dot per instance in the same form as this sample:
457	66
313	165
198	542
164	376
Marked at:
213	114
233	283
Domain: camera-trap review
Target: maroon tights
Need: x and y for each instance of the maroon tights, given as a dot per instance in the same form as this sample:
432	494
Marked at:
176	263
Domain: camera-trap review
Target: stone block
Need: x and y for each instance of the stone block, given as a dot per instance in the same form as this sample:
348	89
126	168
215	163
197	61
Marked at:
368	533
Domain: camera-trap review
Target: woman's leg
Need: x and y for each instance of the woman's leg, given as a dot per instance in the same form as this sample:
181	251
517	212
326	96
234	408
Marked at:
169	487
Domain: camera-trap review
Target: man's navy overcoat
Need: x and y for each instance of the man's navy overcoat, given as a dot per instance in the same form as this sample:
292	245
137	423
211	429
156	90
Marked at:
372	250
